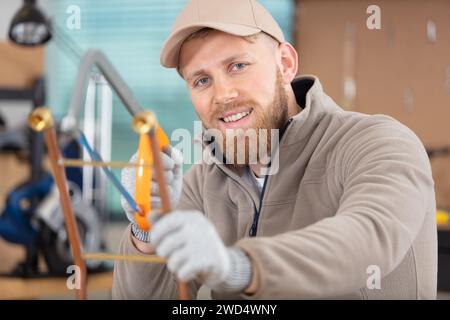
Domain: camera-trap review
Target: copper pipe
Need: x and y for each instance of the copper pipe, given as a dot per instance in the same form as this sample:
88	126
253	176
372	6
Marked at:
41	120
69	218
165	200
160	177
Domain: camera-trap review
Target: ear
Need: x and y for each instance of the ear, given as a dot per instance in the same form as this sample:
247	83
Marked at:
288	62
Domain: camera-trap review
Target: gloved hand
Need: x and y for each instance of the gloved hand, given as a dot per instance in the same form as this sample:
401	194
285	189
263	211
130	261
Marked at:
173	168
193	249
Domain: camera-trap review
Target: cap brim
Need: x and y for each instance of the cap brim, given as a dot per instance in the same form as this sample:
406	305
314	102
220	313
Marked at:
171	47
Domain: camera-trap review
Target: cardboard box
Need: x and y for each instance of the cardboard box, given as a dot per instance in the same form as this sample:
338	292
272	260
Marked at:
402	70
20	66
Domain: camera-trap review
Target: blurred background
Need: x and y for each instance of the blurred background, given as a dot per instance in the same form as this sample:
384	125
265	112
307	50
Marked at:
390	57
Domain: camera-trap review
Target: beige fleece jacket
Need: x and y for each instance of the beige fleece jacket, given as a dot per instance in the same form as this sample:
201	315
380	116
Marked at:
354	195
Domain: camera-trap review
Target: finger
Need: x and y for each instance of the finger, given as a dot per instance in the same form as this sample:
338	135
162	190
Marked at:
125	205
167	161
127	208
163	227
169	244
188	271
168	175
128	179
155	190
156	202
177	260
154	216
177	171
175	155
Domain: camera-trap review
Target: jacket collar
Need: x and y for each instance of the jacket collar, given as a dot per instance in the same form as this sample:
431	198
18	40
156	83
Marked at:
308	92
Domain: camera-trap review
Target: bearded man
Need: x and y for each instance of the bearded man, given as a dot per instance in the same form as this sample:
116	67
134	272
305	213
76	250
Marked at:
350	200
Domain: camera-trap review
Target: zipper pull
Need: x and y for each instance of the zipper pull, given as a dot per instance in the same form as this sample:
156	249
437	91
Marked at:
252	230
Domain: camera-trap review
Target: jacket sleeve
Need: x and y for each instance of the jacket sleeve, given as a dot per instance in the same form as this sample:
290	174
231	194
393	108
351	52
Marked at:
387	192
136	280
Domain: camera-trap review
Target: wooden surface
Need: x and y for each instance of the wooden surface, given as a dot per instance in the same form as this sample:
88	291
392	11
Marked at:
51	288
18	288
14	172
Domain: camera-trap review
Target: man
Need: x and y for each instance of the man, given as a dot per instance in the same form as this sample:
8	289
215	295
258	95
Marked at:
349	212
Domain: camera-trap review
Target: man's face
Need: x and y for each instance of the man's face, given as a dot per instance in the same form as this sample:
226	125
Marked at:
233	83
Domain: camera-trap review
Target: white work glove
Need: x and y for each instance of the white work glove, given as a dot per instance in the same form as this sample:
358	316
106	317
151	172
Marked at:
194	250
173	169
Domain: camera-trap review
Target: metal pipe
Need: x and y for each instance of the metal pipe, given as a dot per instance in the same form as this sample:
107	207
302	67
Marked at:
41	121
95	57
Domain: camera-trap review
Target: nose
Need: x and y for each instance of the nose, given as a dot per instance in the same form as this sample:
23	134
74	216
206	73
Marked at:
224	90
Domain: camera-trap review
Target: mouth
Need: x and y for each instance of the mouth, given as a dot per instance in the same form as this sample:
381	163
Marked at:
235	118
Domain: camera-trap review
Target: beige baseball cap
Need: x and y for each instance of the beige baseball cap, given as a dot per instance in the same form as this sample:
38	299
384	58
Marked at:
237	17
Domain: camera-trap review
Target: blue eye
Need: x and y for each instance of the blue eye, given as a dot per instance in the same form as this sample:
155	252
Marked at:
239	66
201	82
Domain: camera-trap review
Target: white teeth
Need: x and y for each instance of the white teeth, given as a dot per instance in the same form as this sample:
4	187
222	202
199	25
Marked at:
236	116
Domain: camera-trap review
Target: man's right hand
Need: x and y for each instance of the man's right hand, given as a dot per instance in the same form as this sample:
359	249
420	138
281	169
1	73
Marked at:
172	161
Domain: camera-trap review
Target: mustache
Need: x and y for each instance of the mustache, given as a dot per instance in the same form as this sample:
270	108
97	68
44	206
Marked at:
226	107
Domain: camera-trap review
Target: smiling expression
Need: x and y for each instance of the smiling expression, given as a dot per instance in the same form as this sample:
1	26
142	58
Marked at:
234	83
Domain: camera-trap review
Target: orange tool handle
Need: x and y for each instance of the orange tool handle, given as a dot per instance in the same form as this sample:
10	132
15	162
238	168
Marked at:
144	176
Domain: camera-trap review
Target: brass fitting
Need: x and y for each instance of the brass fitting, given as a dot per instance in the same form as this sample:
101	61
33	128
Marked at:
40	119
144	122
